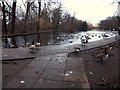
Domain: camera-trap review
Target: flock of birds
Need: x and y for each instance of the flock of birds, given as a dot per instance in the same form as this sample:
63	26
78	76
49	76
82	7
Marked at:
84	38
32	46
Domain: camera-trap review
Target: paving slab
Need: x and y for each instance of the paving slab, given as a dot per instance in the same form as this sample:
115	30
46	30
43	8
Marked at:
53	74
20	82
40	62
73	85
49	84
6	79
17	54
31	72
58	61
10	69
73	64
75	71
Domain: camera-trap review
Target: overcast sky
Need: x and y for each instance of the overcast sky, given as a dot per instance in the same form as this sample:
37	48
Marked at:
91	10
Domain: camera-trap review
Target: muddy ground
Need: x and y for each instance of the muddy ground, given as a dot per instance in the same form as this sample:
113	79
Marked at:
102	74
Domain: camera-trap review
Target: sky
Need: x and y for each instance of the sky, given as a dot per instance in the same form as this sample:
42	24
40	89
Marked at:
92	11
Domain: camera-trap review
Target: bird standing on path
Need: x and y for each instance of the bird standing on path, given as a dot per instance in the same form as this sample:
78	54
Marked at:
32	47
38	44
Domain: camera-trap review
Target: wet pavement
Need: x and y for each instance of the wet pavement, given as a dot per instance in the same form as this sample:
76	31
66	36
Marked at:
54	71
52	67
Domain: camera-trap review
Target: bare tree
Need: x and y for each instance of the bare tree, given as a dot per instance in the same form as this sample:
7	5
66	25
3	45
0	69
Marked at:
13	21
118	10
56	17
26	16
39	14
4	26
13	16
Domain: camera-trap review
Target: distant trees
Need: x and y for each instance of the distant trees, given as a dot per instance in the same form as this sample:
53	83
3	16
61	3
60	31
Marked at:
109	23
38	15
90	26
112	22
56	17
83	26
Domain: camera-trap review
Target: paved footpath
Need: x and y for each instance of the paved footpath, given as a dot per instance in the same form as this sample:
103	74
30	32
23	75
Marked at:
52	67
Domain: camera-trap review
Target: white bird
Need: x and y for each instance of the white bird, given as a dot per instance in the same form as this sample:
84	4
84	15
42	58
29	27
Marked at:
110	48
12	46
58	37
37	44
27	44
106	56
76	49
32	47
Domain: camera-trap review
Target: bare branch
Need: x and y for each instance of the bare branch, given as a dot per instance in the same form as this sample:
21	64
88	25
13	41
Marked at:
23	4
8	5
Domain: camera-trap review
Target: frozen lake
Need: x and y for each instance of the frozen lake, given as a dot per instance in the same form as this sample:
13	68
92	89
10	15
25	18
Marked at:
93	36
62	38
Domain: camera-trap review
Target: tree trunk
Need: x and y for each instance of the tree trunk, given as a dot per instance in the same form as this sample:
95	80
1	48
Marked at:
119	25
26	16
13	17
39	14
4	26
13	22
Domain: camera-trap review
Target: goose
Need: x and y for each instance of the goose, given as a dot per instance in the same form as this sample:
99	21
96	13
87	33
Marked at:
106	55
83	41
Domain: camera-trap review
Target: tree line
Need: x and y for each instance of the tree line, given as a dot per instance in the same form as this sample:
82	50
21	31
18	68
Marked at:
110	23
38	15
